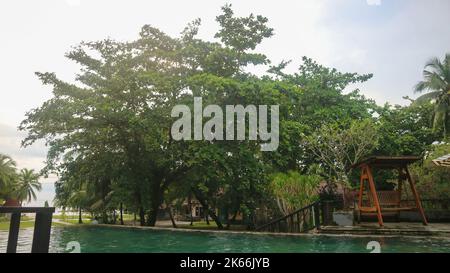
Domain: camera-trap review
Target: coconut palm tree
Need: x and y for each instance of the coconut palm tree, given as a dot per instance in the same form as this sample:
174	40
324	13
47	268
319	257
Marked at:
7	170
79	199
8	176
437	81
27	185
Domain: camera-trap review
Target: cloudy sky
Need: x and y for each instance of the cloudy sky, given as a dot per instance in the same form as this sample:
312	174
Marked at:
390	38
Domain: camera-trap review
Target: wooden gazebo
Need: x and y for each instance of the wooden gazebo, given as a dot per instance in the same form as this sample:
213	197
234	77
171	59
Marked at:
372	201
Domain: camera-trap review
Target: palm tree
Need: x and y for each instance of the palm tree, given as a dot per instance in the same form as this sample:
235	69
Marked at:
8	176
437	81
28	185
7	170
79	199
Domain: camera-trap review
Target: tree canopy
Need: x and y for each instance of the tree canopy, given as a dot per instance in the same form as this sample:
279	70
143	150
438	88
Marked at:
109	132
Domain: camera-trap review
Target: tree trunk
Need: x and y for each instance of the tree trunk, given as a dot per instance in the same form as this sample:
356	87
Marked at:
190	210
155	203
445	125
153	213
211	211
227	218
215	219
251	223
121	213
232	219
169	208
80	220
114	216
207	214
142	216
104	217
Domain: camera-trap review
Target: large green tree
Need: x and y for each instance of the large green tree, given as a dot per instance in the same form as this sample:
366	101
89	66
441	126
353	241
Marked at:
121	103
313	97
406	130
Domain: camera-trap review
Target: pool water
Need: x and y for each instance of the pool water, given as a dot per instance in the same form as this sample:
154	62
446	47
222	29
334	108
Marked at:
110	239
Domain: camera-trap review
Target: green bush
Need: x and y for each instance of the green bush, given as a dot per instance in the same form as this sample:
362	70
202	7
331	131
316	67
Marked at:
433	182
293	190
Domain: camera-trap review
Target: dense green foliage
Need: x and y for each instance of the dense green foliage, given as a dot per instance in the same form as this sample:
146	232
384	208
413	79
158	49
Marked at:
432	180
339	148
109	133
7	170
293	190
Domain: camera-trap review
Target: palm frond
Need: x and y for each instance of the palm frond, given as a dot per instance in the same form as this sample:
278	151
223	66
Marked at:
421	86
437	82
426	98
435	64
447	61
96	205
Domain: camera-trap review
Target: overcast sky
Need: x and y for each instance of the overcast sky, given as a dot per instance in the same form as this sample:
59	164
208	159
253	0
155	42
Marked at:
390	38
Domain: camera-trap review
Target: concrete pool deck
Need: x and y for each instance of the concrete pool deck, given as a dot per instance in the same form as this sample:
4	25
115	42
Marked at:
391	229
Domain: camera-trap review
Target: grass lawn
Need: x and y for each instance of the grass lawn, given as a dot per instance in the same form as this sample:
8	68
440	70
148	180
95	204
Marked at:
72	219
75	220
199	225
66	216
4	225
22	218
126	217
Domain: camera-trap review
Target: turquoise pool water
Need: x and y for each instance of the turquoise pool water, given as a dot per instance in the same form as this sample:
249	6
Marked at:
110	239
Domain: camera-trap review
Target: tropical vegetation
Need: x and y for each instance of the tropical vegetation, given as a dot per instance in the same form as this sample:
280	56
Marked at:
436	81
19	186
109	132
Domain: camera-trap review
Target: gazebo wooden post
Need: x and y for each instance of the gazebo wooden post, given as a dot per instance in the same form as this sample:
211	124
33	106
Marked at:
374	195
401	178
416	196
366	174
361	187
363	177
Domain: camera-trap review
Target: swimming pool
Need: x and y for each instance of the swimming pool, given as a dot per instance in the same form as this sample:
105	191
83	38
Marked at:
111	239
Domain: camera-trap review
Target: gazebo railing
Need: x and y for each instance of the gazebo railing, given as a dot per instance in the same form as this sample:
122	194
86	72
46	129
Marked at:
42	227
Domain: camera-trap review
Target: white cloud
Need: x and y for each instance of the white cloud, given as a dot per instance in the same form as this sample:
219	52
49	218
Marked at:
73	3
373	2
31	157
